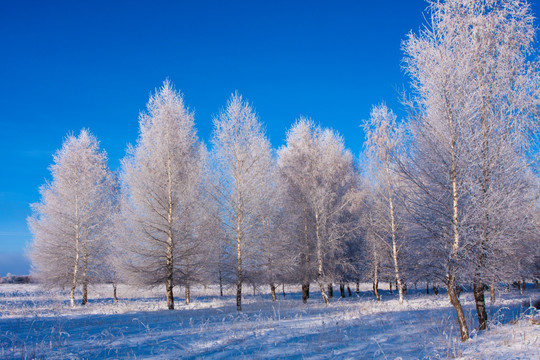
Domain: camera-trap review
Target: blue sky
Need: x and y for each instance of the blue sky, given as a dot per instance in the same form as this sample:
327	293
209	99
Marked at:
65	65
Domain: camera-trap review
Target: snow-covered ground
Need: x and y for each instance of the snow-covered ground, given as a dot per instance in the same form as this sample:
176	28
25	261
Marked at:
38	323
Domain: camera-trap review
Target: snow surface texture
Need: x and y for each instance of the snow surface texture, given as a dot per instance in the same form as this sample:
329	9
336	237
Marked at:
38	323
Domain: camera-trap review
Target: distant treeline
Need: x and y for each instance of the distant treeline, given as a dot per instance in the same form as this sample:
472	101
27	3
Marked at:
16	279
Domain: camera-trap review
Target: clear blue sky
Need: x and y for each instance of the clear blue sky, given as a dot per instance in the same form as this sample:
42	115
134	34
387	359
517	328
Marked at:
65	65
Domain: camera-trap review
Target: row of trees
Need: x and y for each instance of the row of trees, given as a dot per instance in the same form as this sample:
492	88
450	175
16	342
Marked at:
450	196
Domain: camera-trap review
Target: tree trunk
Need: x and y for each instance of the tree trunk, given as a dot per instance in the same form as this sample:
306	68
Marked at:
169	285
357	290
390	287
72	295
451	279
220	283
238	267
169	280
376	290
114	292
478	291
188	295
459	289
349	290
305	292
427	287
492	293
323	293
319	258
330	291
376	278
393	231
85	272
238	295
464	331
76	262
536	283
169	291
84	293
342	290
283	289
305	284
270	266
478	284
436	289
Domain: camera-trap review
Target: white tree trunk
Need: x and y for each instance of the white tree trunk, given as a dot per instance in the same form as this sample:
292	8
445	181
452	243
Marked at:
305	284
169	284
76	262
450	286
394	248
239	260
320	270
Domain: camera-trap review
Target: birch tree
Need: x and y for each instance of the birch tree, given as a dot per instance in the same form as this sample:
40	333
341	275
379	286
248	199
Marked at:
476	94
489	92
383	138
161	185
68	224
319	175
280	259
241	156
294	165
372	245
497	37
110	268
438	165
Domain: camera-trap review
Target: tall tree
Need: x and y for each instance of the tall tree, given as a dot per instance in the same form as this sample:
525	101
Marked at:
476	93
69	223
242	158
279	259
438	161
319	175
370	246
497	37
294	165
490	92
383	138
161	186
110	270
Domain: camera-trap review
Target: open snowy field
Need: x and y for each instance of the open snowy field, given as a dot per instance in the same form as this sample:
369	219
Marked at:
38	323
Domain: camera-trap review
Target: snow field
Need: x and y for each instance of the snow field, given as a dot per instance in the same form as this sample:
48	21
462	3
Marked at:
38	323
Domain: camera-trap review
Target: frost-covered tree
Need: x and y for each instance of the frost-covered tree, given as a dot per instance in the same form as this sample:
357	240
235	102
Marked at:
373	247
110	270
486	43
475	94
438	165
211	231
383	139
69	223
496	38
294	164
241	156
281	259
208	232
319	175
161	178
